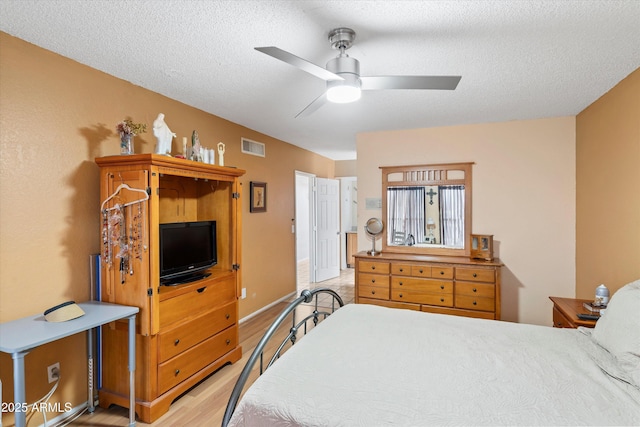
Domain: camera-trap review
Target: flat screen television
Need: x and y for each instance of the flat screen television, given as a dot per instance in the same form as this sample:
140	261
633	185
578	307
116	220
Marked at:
186	250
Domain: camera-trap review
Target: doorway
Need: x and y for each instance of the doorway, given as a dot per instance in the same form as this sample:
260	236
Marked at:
317	229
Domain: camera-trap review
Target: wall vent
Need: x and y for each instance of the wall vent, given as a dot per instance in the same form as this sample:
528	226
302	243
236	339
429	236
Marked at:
253	147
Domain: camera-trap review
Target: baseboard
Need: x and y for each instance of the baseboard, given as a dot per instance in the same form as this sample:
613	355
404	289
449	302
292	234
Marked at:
266	307
67	416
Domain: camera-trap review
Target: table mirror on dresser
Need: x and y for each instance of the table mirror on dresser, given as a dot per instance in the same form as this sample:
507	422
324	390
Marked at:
425	263
427	209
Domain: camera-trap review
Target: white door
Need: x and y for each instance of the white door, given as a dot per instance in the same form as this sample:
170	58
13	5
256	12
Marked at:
327	250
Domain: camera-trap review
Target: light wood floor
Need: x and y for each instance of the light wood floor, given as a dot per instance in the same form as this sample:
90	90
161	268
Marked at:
204	405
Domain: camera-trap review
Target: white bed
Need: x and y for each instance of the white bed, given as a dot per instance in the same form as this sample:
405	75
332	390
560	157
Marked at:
372	366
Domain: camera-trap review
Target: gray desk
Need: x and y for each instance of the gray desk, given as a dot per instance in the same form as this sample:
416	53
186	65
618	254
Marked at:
18	337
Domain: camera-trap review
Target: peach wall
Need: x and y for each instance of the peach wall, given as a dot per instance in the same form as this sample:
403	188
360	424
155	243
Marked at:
608	191
523	194
346	168
56	116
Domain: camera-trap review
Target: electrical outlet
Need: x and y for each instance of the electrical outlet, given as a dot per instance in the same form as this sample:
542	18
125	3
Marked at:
244	293
53	372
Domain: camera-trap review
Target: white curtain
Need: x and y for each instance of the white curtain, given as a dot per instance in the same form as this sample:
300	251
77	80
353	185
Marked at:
452	214
406	213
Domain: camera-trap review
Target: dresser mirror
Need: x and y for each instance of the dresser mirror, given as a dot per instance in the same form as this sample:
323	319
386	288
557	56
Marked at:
427	209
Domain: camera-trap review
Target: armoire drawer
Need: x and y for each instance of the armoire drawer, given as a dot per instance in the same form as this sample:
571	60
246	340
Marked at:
475	274
373	267
200	299
178	339
181	367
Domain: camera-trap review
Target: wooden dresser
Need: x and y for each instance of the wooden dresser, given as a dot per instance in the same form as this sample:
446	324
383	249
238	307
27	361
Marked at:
437	284
187	331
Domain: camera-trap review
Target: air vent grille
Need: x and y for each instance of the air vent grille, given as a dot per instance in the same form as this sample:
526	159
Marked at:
253	147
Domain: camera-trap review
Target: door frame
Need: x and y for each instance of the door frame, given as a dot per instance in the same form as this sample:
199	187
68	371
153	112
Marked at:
298	224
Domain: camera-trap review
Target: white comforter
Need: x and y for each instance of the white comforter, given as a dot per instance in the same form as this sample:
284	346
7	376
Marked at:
374	366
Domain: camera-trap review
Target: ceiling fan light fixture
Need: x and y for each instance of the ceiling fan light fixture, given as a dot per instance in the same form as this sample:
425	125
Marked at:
344	91
343	94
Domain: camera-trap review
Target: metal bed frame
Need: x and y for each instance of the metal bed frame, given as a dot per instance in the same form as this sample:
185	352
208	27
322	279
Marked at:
306	296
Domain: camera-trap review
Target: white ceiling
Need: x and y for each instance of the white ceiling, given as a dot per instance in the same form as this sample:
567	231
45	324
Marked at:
517	59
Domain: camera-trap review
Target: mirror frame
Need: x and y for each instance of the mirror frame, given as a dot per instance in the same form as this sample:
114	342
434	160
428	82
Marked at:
434	174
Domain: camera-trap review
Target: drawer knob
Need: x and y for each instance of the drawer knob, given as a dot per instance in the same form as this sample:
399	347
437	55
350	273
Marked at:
373	280
441	286
475	303
442	273
475	274
373	267
421	271
400	283
401	270
400	295
228	341
201	290
227	315
441	299
177	372
176	342
475	290
373	292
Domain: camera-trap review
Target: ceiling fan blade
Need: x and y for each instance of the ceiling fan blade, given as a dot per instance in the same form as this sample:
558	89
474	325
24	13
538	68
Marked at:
410	82
296	61
317	103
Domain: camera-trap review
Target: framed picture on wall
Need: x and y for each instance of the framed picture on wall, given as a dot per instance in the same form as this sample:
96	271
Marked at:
258	197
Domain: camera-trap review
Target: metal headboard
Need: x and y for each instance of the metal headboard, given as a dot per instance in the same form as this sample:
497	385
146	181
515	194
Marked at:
306	296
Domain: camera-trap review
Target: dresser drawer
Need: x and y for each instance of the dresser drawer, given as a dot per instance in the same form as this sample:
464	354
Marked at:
459	312
390	304
432	286
421	270
181	367
373	267
401	269
422	291
420	297
442	272
475	274
211	294
176	340
475	303
475	289
371	291
373	280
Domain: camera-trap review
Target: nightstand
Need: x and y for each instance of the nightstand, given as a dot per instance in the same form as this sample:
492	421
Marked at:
565	313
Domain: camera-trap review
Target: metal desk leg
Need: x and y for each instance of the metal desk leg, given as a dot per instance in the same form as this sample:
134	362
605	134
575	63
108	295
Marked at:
19	393
132	371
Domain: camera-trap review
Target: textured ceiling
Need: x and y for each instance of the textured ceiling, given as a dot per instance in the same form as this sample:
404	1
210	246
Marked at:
517	59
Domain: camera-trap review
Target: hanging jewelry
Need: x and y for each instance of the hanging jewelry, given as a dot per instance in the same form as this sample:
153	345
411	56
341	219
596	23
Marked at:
106	252
136	231
131	244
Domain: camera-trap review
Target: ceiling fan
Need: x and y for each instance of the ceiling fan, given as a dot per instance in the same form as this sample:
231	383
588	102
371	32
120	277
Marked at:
342	74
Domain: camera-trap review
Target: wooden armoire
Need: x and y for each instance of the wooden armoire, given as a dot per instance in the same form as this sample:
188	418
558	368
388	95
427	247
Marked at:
184	332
